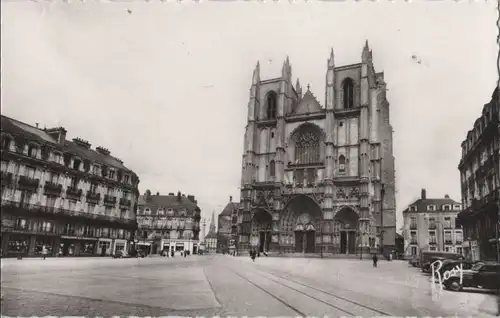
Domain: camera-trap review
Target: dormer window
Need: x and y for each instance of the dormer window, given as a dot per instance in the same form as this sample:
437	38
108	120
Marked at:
446	207
76	164
431	207
96	169
170	211
413	208
6	141
32	151
127	179
57	157
457	207
147	211
160	211
112	174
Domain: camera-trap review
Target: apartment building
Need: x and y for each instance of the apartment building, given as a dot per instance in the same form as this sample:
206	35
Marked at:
480	183
61	195
430	225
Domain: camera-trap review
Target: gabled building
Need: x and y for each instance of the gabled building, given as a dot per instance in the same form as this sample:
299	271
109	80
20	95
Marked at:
227	228
480	183
169	223
62	195
211	237
430	225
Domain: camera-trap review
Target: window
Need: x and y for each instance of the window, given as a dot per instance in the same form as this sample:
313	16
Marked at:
307	146
147	211
51	201
271	105
348	90
74	182
447	237
272	134
432	237
32	150
413	250
91	208
432	223
71	205
341	164
432	248
446	207
127	178
111	174
107	210
57	157
413	208
54	177
447	222
76	164
30	172
6	142
431	207
5	165
272	168
459	250
93	188
110	191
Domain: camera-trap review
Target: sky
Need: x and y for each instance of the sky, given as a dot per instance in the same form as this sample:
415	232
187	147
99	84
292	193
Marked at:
165	86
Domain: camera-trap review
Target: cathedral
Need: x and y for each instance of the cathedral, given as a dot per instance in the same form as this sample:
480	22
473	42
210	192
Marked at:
314	176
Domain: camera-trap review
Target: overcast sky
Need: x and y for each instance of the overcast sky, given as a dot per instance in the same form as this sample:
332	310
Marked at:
165	86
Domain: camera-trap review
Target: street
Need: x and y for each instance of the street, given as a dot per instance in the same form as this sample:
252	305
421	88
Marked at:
224	285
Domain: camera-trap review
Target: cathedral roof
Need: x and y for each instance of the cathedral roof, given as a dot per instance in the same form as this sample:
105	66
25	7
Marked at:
228	210
308	104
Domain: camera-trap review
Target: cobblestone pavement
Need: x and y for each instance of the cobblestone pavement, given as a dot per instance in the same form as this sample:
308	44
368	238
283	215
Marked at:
224	285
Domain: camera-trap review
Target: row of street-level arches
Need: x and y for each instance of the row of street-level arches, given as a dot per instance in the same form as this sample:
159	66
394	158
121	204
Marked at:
347	90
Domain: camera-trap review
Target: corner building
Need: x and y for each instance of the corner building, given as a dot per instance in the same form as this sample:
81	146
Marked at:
312	175
63	195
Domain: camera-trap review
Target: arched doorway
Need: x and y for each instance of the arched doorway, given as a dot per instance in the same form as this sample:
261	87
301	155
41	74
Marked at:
261	230
346	226
298	226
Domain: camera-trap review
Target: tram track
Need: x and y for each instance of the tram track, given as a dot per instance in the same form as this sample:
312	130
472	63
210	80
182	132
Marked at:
324	303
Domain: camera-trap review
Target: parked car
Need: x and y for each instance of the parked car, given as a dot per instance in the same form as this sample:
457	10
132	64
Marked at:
448	265
414	261
122	254
482	275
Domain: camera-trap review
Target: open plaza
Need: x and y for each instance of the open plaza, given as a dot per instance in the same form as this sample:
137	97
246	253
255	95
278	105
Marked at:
225	285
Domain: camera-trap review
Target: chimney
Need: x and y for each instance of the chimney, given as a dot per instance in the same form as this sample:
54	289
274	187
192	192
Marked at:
102	151
424	196
58	133
191	198
148	195
179	196
230	198
82	143
446	196
157	193
36	125
171	193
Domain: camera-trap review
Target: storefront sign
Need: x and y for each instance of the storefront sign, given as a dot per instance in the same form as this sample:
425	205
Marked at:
79	238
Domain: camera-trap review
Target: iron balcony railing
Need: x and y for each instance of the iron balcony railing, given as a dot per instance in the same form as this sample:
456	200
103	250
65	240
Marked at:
53	188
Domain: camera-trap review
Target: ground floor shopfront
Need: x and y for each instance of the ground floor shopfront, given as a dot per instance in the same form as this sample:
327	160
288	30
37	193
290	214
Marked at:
168	245
31	245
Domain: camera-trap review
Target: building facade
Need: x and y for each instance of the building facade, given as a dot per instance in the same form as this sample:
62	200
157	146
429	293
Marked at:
168	223
430	225
210	239
227	228
479	175
312	176
63	195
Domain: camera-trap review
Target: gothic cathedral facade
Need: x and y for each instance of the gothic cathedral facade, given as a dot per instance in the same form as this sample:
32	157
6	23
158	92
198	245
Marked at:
312	176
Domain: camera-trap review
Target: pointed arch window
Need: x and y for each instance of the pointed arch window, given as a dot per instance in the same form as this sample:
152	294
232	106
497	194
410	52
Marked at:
271	100
348	90
307	147
342	164
272	169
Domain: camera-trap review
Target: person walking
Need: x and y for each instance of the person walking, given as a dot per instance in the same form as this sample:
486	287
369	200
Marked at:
375	260
252	255
44	251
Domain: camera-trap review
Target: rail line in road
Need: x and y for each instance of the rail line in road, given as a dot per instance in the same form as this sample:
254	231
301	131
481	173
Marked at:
324	301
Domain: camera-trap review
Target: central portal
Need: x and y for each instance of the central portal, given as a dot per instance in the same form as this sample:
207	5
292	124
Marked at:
299	224
347	224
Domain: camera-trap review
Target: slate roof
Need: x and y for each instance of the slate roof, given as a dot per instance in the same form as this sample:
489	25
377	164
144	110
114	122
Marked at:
19	129
166	202
228	210
308	104
422	204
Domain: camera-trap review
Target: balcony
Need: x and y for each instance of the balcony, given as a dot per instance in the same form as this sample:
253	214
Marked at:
413	241
124	203
447	226
74	193
448	242
28	183
93	197
458	241
432	226
6	178
413	226
109	200
432	242
53	188
14	206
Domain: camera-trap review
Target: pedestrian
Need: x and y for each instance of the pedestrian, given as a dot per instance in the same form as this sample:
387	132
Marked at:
375	260
253	254
185	254
44	251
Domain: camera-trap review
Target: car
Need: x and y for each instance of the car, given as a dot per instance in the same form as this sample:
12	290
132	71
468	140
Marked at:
121	254
426	266
448	265
485	275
